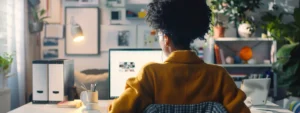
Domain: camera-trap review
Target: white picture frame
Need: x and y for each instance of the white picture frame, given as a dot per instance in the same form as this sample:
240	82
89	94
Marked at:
116	3
145	39
54	31
110	37
122	14
53	10
90	27
81	2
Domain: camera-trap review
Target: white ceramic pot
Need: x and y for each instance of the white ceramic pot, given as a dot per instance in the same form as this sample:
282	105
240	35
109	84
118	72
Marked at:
244	30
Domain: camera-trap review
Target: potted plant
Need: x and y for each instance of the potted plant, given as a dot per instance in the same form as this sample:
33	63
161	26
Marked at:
219	29
217	26
38	20
237	10
5	64
287	66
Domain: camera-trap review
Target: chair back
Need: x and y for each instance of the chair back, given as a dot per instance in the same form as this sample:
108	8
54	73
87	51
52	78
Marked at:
205	107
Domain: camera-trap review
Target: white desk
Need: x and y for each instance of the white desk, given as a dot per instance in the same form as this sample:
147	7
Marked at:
46	108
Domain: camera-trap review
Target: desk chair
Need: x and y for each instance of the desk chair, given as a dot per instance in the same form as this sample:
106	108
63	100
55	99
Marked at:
204	107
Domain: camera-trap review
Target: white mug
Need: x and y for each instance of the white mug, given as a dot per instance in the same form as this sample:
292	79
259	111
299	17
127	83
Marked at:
89	97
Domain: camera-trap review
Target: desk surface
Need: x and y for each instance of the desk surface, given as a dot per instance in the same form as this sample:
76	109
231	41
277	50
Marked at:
50	108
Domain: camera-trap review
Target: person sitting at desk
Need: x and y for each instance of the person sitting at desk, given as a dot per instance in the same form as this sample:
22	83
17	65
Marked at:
183	78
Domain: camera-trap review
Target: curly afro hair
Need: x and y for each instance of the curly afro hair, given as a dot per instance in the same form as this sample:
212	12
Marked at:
181	20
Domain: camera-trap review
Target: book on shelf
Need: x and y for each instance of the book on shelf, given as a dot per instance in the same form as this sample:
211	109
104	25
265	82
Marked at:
219	55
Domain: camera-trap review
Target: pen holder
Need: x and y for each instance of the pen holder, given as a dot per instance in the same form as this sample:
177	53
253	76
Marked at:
89	97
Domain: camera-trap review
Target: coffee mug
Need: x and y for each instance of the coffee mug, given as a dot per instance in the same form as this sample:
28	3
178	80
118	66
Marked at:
89	97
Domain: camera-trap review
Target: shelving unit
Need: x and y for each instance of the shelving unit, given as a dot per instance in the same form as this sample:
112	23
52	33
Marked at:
263	49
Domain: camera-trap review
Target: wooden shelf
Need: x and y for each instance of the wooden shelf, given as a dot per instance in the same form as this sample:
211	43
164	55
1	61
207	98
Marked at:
232	39
246	65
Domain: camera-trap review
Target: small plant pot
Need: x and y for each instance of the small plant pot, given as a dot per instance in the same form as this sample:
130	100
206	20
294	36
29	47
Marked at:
36	27
219	31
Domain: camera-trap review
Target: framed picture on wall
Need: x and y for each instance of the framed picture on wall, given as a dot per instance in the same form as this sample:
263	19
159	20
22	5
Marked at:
50	53
85	21
118	36
53	10
146	37
116	3
117	16
53	31
81	2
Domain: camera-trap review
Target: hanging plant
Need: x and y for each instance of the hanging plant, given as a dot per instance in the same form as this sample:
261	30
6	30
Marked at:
38	20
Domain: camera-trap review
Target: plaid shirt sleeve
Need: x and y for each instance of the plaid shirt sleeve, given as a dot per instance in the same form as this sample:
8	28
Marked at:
205	107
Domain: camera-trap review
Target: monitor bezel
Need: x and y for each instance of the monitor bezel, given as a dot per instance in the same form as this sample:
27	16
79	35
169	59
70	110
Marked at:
128	49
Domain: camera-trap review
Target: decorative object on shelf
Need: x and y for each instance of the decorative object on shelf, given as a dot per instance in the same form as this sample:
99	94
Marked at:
54	31
236	9
142	13
264	35
246	54
252	61
5	67
229	60
237	59
130	14
118	36
38	20
82	31
117	16
116	3
219	30
147	37
53	10
50	53
246	30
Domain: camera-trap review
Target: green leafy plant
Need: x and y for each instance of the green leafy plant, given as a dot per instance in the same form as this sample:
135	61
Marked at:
281	31
38	15
6	60
235	9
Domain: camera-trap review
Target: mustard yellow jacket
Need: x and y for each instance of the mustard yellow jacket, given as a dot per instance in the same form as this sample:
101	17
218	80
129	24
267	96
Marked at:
182	79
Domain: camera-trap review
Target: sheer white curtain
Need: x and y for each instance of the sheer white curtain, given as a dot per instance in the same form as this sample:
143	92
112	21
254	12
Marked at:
12	37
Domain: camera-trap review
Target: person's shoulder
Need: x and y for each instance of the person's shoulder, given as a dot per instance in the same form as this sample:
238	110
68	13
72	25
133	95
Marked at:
151	65
216	68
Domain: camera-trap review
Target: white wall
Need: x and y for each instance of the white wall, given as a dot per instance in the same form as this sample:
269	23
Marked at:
91	62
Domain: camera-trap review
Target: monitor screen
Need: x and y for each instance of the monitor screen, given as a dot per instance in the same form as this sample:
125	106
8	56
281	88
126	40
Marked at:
126	63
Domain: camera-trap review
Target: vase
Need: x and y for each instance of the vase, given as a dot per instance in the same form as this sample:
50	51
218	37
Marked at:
3	77
219	31
36	27
245	30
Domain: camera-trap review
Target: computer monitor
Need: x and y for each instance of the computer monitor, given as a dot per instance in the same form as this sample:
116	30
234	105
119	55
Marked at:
126	63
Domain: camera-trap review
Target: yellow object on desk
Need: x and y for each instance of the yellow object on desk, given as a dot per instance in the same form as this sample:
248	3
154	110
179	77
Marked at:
70	104
142	14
